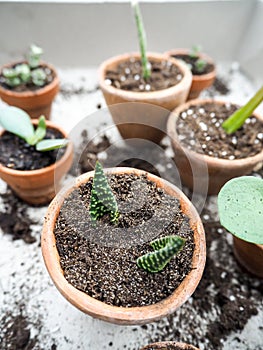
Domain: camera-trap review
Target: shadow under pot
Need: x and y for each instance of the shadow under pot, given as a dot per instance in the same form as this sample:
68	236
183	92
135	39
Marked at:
207	157
203	77
128	294
36	101
151	100
17	158
169	345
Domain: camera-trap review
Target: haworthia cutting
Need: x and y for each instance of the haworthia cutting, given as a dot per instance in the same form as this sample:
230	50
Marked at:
102	199
165	248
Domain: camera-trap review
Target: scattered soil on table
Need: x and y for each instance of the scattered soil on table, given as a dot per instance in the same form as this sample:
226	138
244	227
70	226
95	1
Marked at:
14	220
15	333
169	347
199	129
29	86
86	252
128	76
220	86
193	64
17	154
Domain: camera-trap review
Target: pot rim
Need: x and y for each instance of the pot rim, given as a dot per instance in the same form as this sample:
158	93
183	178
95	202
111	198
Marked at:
26	94
184	51
142	96
115	314
174	343
226	163
50	168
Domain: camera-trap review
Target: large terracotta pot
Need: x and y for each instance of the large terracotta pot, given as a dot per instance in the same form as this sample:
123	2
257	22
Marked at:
114	314
169	345
39	186
35	103
249	255
146	116
203	173
199	82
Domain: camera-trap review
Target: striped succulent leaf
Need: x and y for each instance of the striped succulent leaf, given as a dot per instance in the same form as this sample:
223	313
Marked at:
102	199
165	248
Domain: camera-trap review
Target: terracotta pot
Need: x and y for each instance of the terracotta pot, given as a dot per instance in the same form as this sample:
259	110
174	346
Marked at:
249	255
114	314
202	173
39	186
35	103
165	345
145	119
199	82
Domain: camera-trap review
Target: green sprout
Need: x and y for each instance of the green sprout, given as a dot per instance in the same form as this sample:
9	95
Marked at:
18	122
146	66
195	51
102	199
200	65
238	118
240	205
26	72
164	249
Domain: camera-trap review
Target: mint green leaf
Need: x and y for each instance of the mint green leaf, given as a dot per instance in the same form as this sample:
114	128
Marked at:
41	129
102	199
10	73
34	56
49	145
240	205
16	121
38	77
165	249
23	71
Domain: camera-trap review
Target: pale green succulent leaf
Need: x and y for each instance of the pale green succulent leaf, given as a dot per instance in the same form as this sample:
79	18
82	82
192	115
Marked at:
49	145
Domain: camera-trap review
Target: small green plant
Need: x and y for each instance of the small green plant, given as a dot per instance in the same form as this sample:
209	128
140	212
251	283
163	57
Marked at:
18	122
26	72
238	118
200	63
146	66
240	205
164	249
102	199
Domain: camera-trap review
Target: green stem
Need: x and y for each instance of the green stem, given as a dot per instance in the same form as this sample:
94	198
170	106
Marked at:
146	67
238	118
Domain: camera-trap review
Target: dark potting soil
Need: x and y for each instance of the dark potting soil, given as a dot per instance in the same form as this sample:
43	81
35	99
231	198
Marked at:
128	76
169	347
17	154
220	86
86	252
14	219
192	62
29	86
199	129
15	333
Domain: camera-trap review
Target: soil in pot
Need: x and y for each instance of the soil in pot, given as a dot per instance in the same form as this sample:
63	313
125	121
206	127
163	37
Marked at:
17	154
169	347
199	129
191	61
128	76
29	86
86	252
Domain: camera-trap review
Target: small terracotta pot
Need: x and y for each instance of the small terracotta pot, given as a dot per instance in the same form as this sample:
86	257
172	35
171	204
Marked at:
249	255
35	103
202	173
199	82
165	345
145	119
39	186
115	314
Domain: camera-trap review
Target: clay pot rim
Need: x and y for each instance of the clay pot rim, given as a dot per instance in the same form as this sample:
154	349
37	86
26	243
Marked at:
141	96
52	167
183	51
26	94
115	314
227	163
165	343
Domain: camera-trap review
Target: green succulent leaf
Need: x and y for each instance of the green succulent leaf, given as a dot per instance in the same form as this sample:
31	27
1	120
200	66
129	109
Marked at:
38	77
16	121
102	199
10	73
165	248
50	145
195	51
34	56
240	205
40	132
238	118
23	72
200	65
